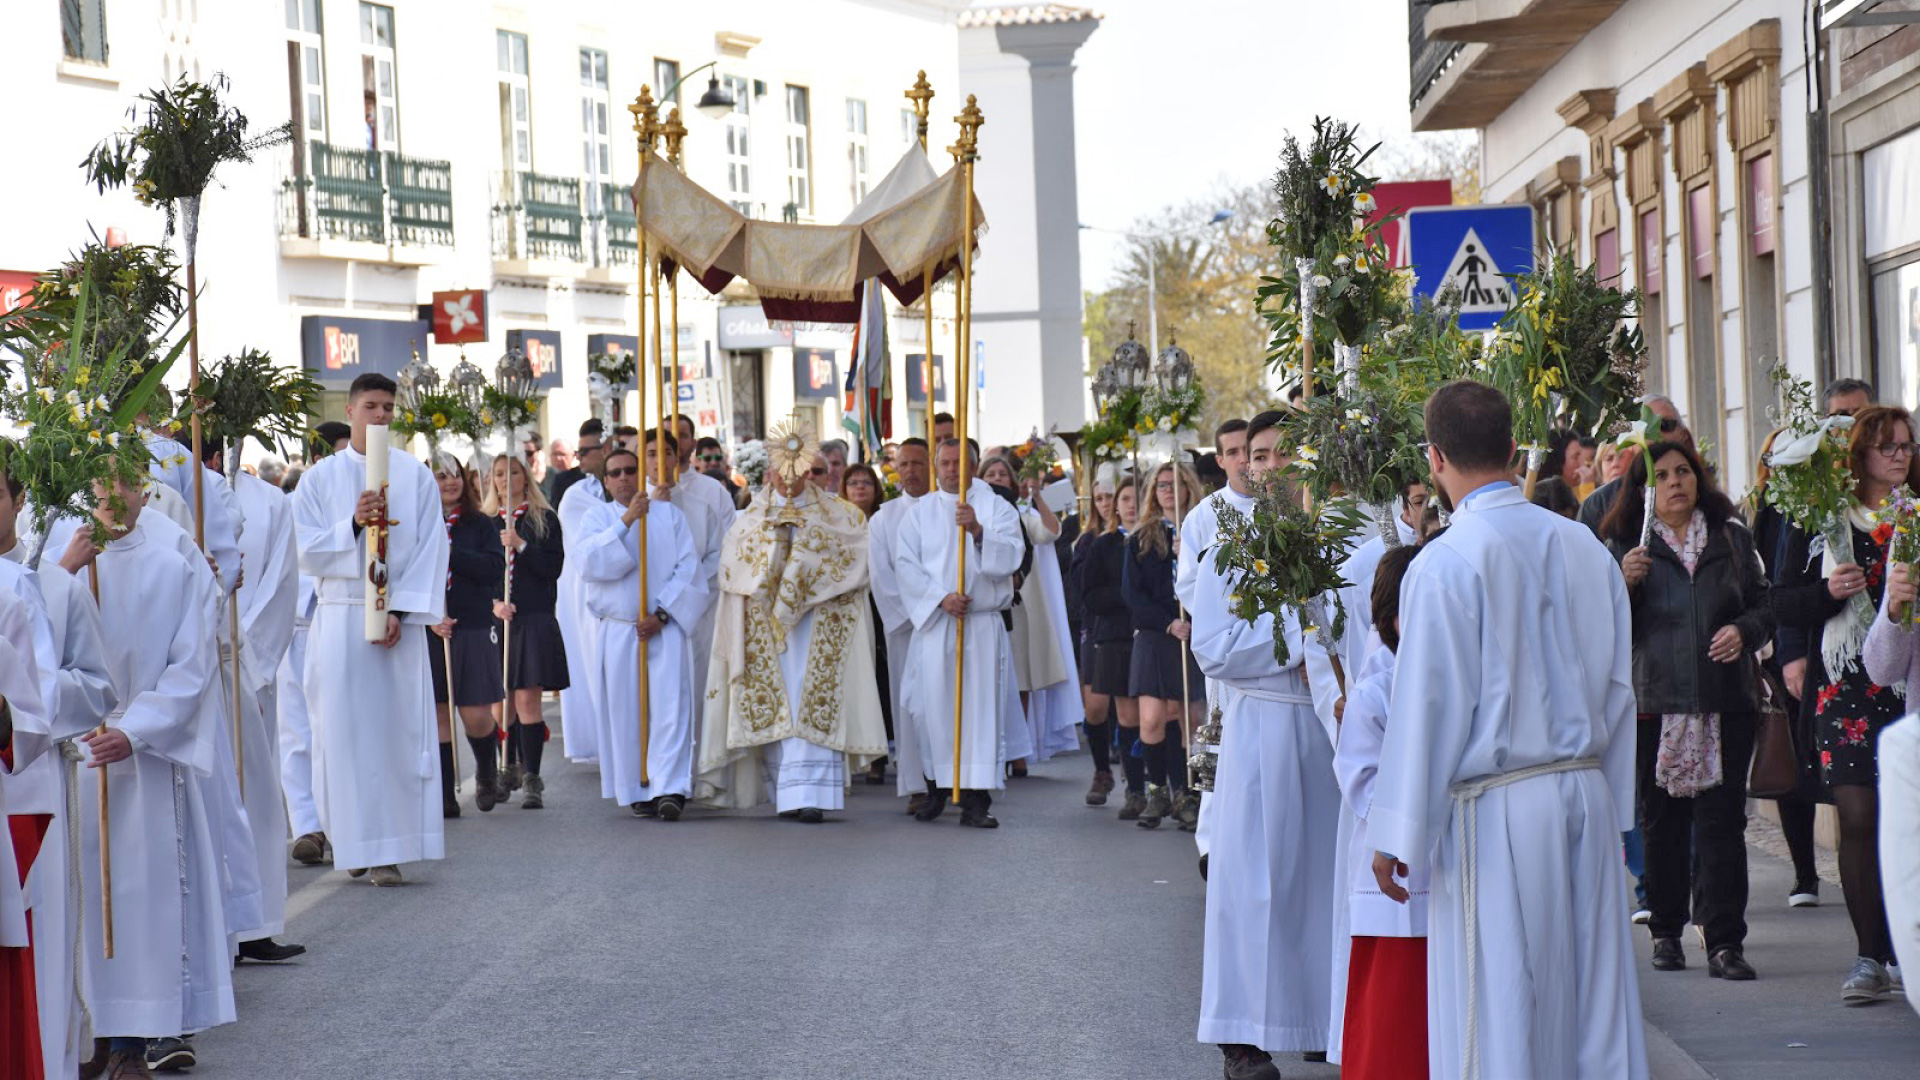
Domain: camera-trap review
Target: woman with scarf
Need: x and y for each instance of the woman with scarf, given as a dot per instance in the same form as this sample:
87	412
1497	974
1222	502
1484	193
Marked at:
1847	700
1700	607
528	533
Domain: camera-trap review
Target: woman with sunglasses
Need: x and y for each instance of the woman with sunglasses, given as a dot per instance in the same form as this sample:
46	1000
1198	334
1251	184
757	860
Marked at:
529	535
1846	702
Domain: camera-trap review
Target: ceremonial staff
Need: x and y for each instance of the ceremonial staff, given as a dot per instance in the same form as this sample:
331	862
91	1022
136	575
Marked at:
965	151
517	383
676	133
1173	373
106	833
417	381
921	94
646	126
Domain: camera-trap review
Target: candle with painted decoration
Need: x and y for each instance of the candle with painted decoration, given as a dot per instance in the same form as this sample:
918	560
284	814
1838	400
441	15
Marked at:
378	438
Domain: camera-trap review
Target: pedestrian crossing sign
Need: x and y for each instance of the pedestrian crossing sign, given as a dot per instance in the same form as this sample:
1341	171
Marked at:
1474	252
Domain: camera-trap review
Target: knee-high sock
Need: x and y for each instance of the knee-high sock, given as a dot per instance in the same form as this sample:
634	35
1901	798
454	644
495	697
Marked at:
486	762
447	779
1100	741
1175	755
533	739
1131	760
513	742
1156	761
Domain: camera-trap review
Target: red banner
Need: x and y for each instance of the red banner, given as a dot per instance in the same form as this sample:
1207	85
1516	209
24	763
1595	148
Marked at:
460	316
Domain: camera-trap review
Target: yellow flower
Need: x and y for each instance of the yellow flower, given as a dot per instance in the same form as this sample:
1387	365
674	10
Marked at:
486	417
439	419
81	376
1260	567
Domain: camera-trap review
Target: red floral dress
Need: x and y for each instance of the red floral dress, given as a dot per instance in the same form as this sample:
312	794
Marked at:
1849	712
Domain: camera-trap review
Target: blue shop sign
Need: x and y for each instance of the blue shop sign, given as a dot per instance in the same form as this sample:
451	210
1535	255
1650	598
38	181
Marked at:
543	351
339	350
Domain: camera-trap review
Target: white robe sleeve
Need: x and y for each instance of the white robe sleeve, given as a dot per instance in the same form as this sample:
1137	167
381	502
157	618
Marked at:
86	685
272	591
165	720
603	550
684	592
22	683
1227	646
328	545
1436	686
1356	761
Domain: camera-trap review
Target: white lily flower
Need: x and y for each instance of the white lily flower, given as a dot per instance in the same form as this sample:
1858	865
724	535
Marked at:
1342	261
1635	435
73	397
1331	184
1321	281
1801	449
1361	265
1363	203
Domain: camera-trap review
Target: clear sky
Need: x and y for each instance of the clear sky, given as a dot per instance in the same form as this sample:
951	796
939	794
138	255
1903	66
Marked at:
1173	97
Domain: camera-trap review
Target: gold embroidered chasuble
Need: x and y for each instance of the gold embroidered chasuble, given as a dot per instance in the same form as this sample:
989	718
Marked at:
785	560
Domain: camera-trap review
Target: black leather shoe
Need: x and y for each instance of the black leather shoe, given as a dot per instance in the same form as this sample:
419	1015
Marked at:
979	819
1729	962
810	816
269	951
932	807
1668	955
1245	1062
671	806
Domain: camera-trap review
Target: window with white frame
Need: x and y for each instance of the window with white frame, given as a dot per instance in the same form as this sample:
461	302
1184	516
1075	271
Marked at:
799	152
83	30
739	159
666	76
306	70
378	85
516	114
596	133
856	149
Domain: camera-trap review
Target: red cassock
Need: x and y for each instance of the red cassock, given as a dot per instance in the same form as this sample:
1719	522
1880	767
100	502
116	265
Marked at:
19	1010
1386	1026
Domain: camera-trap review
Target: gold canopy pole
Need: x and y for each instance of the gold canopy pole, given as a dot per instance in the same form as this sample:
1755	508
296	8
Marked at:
922	97
676	133
964	151
646	126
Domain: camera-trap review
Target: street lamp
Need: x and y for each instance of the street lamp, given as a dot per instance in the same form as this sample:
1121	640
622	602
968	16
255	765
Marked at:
1153	289
715	103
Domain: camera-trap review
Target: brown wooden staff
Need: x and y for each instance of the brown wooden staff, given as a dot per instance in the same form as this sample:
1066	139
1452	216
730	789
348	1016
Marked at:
106	819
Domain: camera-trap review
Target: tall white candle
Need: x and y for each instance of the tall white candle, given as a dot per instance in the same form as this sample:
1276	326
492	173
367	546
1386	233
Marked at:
377	442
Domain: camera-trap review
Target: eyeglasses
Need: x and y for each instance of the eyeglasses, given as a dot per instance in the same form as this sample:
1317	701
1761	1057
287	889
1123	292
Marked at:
594	449
714	459
630	470
1896	449
818	470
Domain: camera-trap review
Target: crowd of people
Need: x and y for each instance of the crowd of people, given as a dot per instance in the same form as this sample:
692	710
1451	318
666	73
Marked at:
1404	822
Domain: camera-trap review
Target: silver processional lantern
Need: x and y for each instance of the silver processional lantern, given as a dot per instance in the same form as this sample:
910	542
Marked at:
468	384
417	380
514	374
1173	371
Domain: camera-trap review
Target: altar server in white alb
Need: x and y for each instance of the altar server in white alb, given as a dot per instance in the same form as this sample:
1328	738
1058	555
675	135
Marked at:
928	565
170	973
792	695
375	750
25	739
1268	957
1508	770
883	549
266	598
79	691
172	464
609	554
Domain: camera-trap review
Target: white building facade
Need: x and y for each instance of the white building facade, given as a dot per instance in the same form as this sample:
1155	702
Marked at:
445	145
1669	142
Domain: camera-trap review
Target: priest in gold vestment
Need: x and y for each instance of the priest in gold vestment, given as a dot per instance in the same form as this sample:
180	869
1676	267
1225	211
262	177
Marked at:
791	694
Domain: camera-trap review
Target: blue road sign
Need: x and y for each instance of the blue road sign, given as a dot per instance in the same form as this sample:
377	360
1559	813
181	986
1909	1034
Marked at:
1475	251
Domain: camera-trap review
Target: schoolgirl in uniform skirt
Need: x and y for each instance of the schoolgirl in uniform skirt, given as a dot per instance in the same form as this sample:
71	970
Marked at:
474	567
1155	676
1106	648
528	532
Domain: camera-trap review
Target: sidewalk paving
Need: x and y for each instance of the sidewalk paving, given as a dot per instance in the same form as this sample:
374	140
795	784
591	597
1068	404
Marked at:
1789	1024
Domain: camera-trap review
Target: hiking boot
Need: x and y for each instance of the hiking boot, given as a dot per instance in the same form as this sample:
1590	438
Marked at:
535	798
310	849
1186	810
1136	802
511	779
384	876
1158	806
1102	784
485	796
1866	984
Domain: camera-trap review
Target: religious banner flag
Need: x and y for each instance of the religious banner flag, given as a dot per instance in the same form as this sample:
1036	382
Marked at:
870	418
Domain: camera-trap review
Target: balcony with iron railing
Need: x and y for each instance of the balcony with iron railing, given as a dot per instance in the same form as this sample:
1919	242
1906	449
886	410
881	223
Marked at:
1469	60
376	206
539	228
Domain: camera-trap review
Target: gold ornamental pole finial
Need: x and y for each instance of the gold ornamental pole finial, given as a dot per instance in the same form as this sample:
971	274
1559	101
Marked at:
675	133
968	146
646	119
922	97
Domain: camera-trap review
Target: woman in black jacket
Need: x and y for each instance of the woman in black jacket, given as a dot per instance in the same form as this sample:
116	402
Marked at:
1700	607
1106	648
465	636
1159	629
536	655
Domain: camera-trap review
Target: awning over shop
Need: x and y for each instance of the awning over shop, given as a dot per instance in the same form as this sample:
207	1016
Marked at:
909	225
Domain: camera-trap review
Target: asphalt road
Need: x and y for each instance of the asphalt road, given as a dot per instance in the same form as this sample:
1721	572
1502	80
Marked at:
581	942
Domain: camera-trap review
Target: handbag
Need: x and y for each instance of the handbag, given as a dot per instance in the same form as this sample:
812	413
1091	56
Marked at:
1776	762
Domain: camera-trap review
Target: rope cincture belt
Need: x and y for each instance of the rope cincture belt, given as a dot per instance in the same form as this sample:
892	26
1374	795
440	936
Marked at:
1466	799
